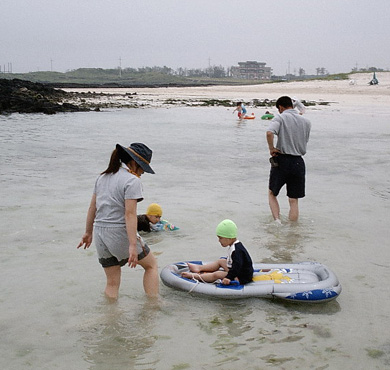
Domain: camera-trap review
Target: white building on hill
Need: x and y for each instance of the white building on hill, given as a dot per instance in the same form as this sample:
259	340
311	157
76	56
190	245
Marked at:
251	70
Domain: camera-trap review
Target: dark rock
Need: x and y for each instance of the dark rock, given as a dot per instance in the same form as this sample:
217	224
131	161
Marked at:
19	96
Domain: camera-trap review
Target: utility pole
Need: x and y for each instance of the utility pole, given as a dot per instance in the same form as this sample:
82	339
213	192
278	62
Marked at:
120	67
288	71
8	69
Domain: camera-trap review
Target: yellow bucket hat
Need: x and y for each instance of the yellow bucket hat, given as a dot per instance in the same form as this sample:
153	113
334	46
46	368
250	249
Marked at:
154	209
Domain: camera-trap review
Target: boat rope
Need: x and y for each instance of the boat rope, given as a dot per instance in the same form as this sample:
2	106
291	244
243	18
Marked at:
197	282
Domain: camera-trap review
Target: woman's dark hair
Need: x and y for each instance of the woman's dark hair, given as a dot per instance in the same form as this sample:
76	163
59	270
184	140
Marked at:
115	163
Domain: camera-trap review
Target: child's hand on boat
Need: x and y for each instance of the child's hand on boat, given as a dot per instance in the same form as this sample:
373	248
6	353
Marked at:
226	281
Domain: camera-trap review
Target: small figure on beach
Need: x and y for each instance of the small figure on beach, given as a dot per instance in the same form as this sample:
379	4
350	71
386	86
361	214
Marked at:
267	115
374	80
287	164
112	219
151	220
241	109
236	266
297	104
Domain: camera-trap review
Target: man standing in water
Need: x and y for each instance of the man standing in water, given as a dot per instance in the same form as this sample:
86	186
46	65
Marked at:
287	164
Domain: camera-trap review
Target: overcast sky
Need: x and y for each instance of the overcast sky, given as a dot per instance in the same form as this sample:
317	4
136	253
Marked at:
61	35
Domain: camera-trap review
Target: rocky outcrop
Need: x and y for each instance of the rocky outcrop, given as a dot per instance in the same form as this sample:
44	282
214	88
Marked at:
19	96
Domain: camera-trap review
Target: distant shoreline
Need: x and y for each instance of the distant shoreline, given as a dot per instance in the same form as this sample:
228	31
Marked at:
353	92
123	86
29	97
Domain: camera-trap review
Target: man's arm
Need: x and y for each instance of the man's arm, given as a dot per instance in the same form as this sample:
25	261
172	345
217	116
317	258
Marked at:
270	140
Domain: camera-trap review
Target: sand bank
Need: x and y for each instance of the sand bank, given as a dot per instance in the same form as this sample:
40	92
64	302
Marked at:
353	92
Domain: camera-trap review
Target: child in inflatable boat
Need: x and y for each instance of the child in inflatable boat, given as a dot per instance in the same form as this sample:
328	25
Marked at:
236	266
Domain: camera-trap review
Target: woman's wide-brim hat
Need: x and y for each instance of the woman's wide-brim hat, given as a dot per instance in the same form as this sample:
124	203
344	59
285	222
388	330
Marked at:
137	151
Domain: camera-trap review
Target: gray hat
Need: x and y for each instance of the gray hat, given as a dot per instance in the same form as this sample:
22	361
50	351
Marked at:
137	151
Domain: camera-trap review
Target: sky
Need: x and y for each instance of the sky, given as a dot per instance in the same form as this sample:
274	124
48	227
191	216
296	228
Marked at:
58	35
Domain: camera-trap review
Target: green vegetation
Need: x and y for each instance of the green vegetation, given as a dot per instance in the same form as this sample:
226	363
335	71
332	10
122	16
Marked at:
129	77
98	76
117	78
374	353
338	76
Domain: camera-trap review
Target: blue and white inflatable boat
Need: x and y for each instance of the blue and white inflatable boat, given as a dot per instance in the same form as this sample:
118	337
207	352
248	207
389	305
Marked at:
299	282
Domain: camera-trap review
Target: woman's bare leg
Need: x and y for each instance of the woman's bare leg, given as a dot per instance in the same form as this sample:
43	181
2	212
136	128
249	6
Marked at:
151	280
113	274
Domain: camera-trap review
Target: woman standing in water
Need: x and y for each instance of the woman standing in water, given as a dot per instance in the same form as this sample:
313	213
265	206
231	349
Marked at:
112	218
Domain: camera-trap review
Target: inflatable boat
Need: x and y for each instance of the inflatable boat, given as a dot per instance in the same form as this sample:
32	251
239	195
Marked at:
299	282
163	225
267	116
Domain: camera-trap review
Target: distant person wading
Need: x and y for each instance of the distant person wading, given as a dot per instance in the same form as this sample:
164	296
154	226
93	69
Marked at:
287	164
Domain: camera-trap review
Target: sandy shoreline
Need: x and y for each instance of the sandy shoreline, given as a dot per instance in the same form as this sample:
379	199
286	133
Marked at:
353	92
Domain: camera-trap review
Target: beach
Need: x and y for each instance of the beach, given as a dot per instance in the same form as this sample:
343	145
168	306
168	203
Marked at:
209	166
355	91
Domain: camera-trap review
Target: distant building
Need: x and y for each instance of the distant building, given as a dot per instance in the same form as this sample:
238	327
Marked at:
251	70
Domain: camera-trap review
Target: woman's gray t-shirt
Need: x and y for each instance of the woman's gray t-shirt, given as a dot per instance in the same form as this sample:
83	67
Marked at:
111	192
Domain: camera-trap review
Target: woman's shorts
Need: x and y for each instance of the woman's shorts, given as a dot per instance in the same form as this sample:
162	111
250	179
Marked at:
112	246
291	172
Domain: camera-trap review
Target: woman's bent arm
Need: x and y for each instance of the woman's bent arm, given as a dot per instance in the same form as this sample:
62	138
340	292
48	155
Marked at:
131	228
86	239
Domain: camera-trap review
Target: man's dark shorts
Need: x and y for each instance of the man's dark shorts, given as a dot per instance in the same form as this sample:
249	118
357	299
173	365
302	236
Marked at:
290	172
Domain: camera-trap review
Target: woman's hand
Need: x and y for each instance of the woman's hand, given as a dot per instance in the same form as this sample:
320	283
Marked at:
131	229
86	241
133	256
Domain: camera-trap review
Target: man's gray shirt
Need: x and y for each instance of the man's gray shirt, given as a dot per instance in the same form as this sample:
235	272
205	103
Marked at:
292	130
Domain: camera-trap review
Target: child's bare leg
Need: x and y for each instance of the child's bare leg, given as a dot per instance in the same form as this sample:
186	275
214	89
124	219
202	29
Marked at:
223	264
207	277
210	277
209	267
194	267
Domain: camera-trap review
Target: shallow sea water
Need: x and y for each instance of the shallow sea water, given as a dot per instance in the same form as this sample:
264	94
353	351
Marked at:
209	166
